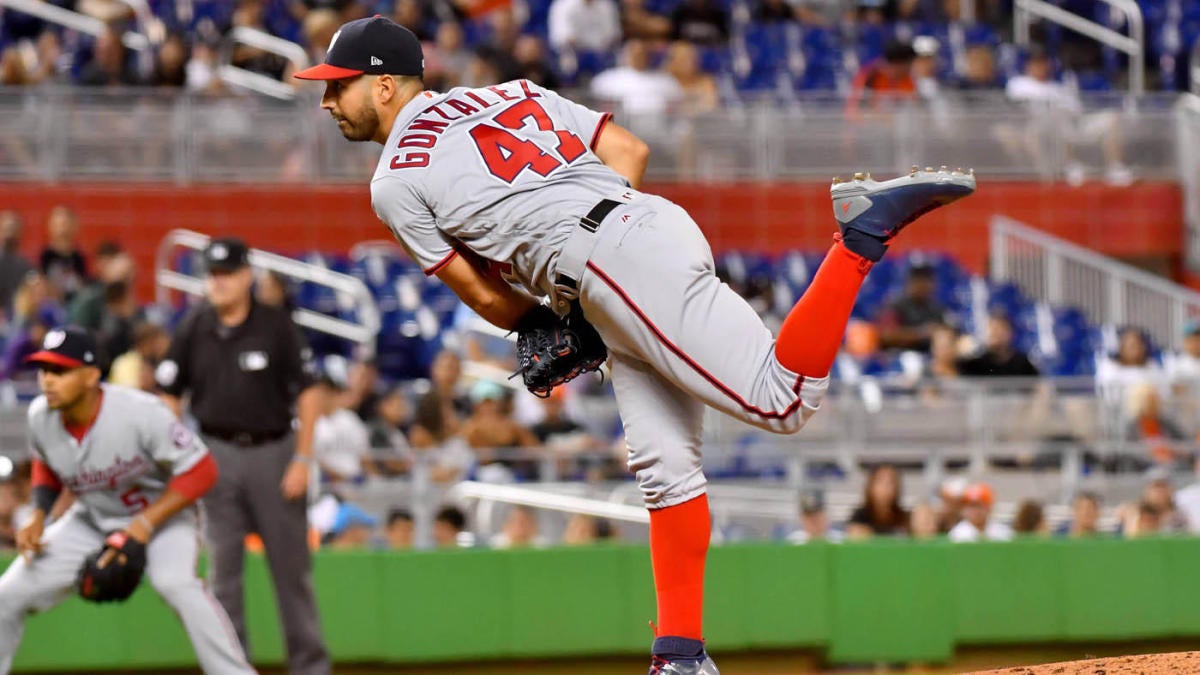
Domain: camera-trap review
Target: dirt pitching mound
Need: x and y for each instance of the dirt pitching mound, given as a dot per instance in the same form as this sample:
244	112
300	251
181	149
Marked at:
1145	664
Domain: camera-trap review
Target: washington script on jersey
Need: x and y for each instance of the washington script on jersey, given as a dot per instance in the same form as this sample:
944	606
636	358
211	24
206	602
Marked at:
119	472
424	130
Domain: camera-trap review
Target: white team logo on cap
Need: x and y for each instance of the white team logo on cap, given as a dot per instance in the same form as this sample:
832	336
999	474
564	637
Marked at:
376	61
54	339
219	252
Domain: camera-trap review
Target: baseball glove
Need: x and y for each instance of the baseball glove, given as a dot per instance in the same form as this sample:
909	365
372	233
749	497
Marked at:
113	573
553	350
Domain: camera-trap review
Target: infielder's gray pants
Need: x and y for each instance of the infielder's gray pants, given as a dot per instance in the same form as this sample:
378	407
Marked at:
248	498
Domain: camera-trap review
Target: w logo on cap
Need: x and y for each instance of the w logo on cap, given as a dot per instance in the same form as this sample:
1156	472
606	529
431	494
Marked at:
54	339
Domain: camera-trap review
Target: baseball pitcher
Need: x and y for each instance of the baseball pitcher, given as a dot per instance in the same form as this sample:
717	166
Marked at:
511	193
136	472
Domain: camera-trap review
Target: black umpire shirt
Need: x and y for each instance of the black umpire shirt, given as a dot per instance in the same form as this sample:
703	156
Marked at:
242	379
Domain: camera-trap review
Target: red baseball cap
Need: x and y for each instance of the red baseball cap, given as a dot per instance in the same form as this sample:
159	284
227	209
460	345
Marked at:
372	46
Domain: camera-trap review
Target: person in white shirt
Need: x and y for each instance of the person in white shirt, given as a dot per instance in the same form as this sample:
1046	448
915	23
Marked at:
584	25
977	524
341	441
643	93
1056	104
1130	366
1183	373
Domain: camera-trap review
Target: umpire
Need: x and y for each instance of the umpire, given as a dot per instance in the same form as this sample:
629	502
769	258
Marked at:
245	366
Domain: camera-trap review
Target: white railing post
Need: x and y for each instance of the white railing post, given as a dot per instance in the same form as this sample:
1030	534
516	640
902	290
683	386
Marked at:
1053	279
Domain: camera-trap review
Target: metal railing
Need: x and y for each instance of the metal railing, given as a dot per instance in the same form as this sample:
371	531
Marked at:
1133	44
363	331
1055	271
67	134
86	24
248	79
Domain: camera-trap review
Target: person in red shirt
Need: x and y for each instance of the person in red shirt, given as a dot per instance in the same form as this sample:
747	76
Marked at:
885	80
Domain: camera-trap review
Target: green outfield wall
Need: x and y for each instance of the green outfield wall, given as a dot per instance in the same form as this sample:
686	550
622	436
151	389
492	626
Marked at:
877	601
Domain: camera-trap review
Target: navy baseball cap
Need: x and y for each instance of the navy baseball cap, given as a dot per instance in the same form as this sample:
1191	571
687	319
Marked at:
67	348
226	255
372	46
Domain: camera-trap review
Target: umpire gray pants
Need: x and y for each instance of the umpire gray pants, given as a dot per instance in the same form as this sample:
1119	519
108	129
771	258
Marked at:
248	498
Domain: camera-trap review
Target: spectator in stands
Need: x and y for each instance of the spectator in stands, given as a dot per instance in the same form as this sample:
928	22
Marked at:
639	23
121	310
61	262
319	27
441	410
170	62
388	433
520	530
272	289
341	444
582	530
13	72
1139	520
768	11
362	383
135	368
399	530
347	10
979	73
86	309
13	266
977	523
883	81
495	436
1155	437
698	88
584	25
1057	110
880	514
1182	370
1132	364
449	527
485	67
532	64
814	520
701	22
353	528
411	15
1030	519
1085	516
943	361
951	497
925	68
1160	494
923	522
111	64
557	429
1000	357
908	321
643	93
252	14
34	314
452	56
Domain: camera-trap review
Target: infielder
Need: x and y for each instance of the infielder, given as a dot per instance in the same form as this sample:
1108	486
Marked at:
136	472
511	185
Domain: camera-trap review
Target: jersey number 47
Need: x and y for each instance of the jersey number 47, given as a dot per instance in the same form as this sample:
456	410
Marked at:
506	156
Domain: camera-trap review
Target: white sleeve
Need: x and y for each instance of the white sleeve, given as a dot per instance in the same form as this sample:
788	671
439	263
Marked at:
411	221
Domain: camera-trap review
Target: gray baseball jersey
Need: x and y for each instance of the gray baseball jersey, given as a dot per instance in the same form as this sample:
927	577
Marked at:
507	173
124	462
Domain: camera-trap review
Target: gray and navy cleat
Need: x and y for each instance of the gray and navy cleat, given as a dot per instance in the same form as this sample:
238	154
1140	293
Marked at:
703	666
882	209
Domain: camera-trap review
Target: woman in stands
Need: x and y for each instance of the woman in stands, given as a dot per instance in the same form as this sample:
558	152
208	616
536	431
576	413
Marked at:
880	513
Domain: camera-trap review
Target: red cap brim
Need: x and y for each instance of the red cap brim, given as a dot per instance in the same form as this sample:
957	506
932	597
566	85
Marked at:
324	71
54	359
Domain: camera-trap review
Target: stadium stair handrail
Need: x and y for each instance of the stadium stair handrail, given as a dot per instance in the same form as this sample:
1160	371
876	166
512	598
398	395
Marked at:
1133	44
248	79
364	332
81	22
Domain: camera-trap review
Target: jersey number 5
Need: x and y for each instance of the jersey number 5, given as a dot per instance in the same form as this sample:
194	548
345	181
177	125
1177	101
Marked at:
507	156
134	500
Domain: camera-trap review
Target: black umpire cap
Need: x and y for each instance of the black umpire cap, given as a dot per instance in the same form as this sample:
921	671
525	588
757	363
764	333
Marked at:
372	46
67	348
226	255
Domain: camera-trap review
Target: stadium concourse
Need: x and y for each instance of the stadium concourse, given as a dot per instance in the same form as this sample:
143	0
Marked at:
1004	471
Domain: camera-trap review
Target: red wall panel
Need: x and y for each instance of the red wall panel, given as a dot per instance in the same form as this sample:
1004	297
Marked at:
1145	220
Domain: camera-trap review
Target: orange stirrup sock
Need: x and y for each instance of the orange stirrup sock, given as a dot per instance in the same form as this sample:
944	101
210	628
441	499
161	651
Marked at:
678	547
811	334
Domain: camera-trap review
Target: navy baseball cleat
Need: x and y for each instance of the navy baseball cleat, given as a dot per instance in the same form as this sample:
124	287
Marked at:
680	656
705	666
881	209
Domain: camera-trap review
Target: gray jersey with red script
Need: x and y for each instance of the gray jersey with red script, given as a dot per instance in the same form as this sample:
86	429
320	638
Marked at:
505	171
133	449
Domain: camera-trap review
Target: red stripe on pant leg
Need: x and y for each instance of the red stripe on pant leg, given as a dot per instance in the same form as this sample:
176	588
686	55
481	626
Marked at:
712	379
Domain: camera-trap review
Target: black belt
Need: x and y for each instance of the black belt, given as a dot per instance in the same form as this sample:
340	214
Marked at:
244	439
591	223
